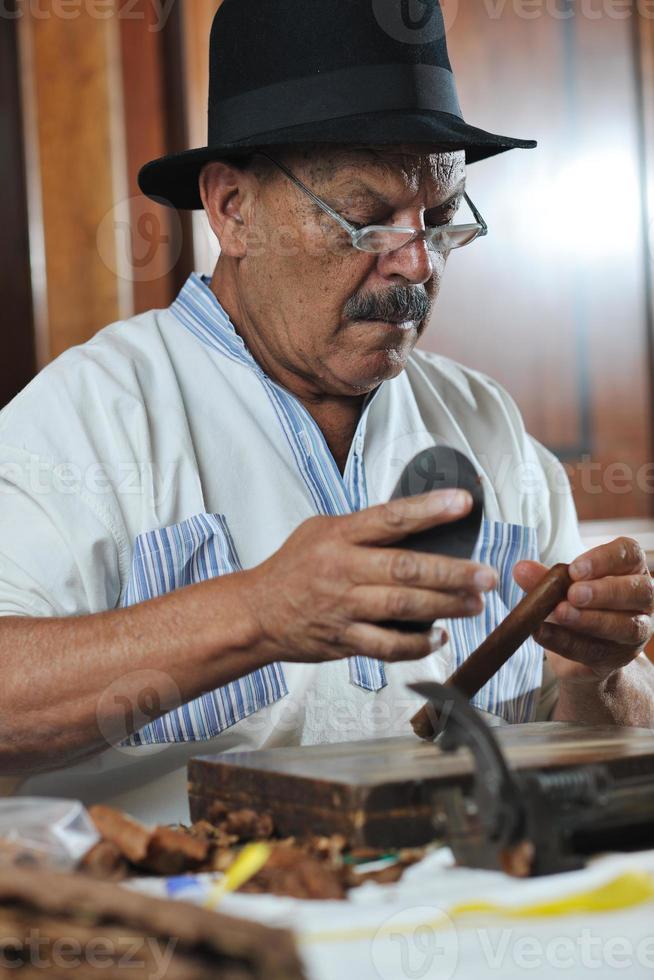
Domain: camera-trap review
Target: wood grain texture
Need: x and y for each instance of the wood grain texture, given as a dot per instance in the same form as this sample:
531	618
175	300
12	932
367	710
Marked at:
72	85
644	43
17	363
378	792
645	46
552	285
145	138
159	240
197	18
38	271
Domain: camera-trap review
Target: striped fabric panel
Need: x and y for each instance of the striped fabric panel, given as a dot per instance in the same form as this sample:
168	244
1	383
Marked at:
356	482
198	310
513	692
169	558
331	494
365	672
310	451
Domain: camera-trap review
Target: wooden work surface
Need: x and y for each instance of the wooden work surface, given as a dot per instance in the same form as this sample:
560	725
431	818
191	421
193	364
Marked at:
378	793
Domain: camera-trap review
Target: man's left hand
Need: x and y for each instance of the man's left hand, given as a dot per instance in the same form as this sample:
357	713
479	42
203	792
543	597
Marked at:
606	619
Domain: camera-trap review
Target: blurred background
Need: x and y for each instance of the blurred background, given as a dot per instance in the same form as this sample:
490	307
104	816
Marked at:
557	303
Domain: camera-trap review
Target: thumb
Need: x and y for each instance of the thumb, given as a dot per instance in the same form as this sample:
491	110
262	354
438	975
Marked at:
527	574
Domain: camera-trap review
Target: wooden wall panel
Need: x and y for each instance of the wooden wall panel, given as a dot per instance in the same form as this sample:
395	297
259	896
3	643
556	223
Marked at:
102	95
158	241
553	303
197	18
612	266
145	138
644	43
75	83
17	362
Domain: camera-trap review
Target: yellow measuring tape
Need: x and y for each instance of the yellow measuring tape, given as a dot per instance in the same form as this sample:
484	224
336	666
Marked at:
627	890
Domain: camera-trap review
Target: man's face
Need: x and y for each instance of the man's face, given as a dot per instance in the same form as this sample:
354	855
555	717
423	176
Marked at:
341	319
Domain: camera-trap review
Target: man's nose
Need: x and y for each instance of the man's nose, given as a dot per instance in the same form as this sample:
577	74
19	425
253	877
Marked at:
414	262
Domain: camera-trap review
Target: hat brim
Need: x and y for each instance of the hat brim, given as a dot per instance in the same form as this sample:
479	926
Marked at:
174	180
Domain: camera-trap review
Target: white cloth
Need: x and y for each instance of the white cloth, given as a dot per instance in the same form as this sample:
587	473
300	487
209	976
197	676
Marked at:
411	929
147	426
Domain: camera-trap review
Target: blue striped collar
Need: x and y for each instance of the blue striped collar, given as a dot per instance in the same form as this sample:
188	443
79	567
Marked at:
197	308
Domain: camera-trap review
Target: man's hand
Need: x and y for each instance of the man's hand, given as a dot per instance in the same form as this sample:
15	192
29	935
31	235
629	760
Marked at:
323	594
607	618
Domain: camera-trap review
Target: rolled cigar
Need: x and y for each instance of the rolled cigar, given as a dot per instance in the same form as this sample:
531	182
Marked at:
130	837
501	644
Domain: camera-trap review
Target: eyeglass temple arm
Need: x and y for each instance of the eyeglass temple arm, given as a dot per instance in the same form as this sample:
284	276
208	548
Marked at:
477	215
350	229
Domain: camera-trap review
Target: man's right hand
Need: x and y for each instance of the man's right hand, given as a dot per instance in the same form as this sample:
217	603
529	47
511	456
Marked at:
323	595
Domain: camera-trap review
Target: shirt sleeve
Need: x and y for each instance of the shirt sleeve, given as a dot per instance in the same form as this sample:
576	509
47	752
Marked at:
65	442
58	552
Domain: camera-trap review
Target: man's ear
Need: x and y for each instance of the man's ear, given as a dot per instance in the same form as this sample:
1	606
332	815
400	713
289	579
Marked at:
222	189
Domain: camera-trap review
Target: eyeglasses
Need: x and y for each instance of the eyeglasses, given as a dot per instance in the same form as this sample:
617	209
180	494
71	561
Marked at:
386	238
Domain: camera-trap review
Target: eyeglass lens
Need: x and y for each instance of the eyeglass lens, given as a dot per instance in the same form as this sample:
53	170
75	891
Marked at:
440	239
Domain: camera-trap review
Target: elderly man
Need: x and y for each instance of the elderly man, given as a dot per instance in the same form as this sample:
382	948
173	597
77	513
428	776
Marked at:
196	552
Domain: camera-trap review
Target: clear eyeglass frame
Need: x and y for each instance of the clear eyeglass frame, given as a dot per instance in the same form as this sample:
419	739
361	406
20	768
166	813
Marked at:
380	239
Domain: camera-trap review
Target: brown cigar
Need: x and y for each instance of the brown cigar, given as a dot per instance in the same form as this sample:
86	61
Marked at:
501	644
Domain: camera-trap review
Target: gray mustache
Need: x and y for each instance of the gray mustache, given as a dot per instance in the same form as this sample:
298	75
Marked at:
400	303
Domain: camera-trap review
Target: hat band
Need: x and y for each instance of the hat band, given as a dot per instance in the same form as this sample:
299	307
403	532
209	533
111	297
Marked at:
332	95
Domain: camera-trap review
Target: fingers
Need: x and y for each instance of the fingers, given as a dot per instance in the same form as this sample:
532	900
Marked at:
527	574
617	609
599	655
629	592
395	520
620	557
394	566
384	603
631	630
368	640
634	593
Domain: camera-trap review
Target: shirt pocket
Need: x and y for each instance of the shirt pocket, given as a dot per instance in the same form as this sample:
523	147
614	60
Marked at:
169	558
513	692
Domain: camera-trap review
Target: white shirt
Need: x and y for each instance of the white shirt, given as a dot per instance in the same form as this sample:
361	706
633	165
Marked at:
159	453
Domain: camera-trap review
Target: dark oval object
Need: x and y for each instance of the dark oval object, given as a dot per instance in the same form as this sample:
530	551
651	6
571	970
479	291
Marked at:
441	468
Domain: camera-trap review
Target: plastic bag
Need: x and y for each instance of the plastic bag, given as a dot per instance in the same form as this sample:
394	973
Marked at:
55	833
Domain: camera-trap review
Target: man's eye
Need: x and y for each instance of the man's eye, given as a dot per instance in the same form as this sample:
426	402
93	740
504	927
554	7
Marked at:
358	225
436	219
376	218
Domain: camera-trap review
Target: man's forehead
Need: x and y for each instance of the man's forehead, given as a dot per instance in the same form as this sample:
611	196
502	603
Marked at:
399	167
405	155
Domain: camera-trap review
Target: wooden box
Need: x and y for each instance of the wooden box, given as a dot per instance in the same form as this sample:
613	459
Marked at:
378	793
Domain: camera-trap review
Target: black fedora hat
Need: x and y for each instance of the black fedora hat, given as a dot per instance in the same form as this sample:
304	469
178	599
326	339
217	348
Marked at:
324	71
